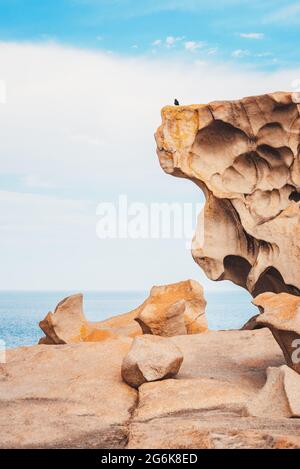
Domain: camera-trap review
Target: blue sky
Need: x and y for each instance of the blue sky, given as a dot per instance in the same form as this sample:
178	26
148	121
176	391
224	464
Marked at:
84	82
263	33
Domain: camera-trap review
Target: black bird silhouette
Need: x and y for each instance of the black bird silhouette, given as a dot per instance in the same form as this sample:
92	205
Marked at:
176	102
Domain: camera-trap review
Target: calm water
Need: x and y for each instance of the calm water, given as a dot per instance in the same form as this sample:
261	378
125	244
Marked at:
20	312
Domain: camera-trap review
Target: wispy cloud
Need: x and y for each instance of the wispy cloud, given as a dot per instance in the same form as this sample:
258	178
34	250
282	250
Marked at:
192	46
212	51
252	35
156	43
172	40
240	53
169	42
289	14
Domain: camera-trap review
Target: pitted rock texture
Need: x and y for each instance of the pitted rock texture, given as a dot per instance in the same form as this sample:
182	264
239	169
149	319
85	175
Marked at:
245	157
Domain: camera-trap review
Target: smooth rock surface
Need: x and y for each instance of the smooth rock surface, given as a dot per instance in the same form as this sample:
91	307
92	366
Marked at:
74	396
244	155
280	397
66	396
151	358
175	309
205	406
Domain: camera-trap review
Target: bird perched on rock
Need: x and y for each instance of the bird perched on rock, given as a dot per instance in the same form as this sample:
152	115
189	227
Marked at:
176	102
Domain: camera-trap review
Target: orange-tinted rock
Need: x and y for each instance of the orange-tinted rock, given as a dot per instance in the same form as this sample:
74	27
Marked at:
66	396
175	309
170	310
67	324
281	314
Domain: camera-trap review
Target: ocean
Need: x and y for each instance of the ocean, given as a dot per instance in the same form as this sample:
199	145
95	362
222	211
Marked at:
20	312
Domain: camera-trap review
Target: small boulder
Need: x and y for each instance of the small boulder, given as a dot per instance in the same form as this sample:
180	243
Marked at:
151	358
175	309
281	314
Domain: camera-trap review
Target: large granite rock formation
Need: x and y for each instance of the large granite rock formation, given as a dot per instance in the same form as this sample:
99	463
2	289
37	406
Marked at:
169	310
244	155
73	396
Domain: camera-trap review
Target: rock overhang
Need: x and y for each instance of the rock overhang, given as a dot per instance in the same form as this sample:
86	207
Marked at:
244	155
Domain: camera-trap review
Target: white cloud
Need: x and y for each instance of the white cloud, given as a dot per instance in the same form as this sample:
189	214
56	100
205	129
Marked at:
171	40
252	35
263	54
157	42
240	53
82	123
212	51
192	46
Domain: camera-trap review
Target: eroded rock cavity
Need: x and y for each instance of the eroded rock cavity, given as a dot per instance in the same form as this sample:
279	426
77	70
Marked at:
245	157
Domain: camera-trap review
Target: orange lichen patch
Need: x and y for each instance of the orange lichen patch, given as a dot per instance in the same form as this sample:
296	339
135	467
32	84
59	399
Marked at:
123	324
84	331
181	124
98	335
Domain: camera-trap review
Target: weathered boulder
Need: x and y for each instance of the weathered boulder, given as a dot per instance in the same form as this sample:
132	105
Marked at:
170	310
174	309
281	314
66	396
151	358
68	324
244	155
280	397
